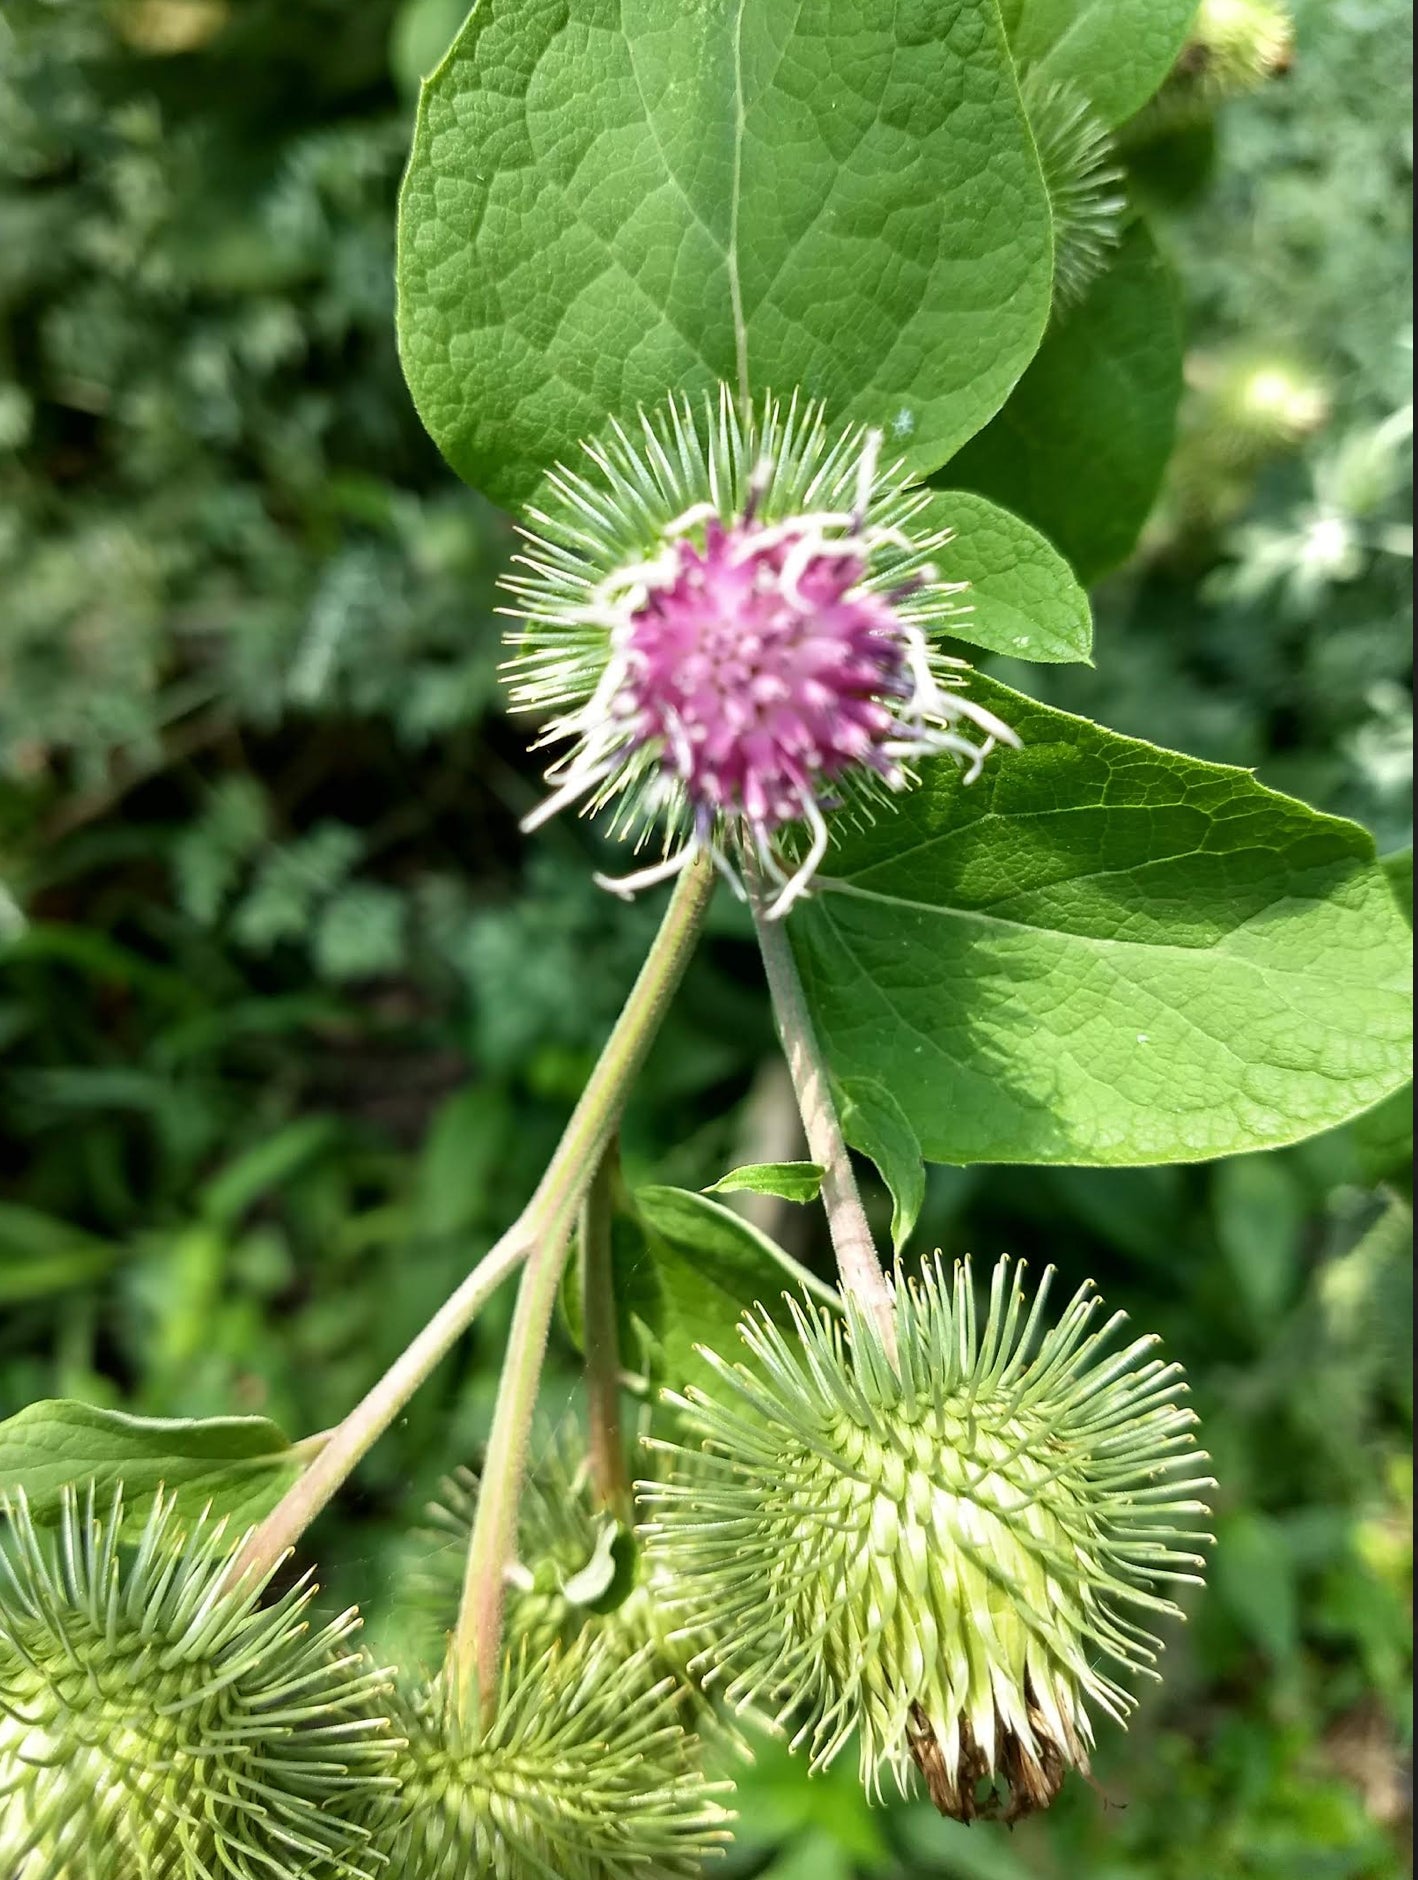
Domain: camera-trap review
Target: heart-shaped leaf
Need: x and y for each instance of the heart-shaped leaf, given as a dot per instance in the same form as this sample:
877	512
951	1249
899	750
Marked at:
611	199
1102	952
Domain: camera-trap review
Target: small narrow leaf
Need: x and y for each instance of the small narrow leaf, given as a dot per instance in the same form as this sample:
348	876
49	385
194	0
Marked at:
1106	953
268	1165
790	1181
1024	600
1080	448
874	1122
239	1466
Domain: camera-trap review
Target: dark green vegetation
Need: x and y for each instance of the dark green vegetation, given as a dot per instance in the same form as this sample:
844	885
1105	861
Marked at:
296	1015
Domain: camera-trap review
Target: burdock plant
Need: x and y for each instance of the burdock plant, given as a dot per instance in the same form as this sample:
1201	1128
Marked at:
581	1768
822	353
938	1549
156	1724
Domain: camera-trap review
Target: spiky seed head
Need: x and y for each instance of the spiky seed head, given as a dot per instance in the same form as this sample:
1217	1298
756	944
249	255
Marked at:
576	1568
1257	402
154	1726
1235	46
729	627
1086	198
942	1558
584	1772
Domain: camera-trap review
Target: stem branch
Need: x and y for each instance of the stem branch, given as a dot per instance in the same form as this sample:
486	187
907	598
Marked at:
347	1444
857	1258
610	1477
476	1647
545	1221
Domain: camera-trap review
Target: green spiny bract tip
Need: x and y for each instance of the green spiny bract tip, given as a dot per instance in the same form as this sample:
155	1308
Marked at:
584	1772
937	1557
1086	199
578	1569
156	1726
1236	45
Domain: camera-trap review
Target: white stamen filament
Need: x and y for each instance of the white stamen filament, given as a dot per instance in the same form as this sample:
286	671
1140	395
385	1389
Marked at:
628	886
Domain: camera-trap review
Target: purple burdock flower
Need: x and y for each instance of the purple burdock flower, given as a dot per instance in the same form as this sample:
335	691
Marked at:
732	631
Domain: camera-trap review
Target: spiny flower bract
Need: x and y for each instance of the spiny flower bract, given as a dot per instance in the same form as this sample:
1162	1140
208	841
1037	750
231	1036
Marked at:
575	1569
1235	46
584	1772
941	1557
156	1726
728	624
1084	184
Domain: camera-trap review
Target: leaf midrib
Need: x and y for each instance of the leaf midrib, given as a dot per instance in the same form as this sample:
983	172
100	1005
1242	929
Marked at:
731	257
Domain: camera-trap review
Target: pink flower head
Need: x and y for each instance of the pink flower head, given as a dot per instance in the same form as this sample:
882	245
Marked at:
759	660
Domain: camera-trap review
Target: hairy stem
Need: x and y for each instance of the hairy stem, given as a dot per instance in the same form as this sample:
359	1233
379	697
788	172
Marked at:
610	1478
476	1647
346	1445
552	1207
857	1260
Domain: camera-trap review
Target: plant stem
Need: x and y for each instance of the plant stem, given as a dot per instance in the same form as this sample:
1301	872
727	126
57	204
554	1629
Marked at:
476	1647
610	1478
857	1260
558	1195
347	1444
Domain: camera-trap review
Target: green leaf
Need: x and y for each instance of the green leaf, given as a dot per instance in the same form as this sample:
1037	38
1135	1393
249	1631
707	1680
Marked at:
1260	1216
464	1147
241	1466
1106	953
1023	600
1116	52
791	1181
40	1255
1398	870
610	199
874	1122
1383	1138
1080	448
710	1267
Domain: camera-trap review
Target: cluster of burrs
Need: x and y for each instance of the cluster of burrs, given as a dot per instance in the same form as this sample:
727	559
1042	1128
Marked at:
937	1552
158	1724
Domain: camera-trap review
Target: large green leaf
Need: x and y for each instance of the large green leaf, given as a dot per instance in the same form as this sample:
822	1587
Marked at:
608	199
239	1466
1080	448
1023	599
1106	953
710	1266
1116	52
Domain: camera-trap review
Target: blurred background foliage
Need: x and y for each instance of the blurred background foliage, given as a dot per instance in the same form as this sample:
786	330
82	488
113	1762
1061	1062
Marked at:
291	1016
